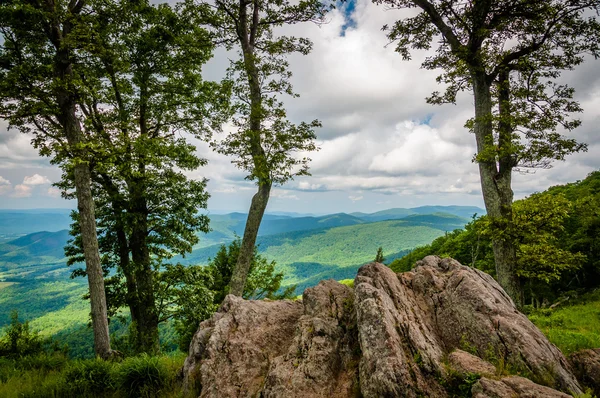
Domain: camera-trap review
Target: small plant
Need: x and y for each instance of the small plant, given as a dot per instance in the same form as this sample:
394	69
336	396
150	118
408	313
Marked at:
143	376
93	377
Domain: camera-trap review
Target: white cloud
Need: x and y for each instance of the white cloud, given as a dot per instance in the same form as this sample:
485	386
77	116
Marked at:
283	194
355	198
22	191
380	140
4	181
53	192
36	179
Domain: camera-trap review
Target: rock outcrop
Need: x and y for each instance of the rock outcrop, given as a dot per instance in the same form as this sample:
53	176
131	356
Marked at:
394	335
513	386
586	366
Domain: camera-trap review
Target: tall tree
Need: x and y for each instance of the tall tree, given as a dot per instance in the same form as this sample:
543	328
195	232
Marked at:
144	88
509	54
39	88
265	141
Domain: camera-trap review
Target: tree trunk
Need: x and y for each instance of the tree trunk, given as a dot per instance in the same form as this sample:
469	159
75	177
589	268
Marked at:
66	100
93	267
255	215
126	267
247	35
146	329
497	192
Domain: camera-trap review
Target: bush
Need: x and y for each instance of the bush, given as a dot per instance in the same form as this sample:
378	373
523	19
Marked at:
44	361
92	377
144	376
18	340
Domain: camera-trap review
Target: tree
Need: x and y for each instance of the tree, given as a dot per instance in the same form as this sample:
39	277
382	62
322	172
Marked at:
192	294
379	256
39	88
144	88
19	340
265	141
509	53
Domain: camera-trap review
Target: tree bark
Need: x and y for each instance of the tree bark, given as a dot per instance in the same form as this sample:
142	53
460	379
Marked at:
255	215
247	35
495	176
66	100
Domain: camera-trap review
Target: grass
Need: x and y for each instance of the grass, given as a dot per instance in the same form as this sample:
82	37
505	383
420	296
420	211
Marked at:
573	327
51	376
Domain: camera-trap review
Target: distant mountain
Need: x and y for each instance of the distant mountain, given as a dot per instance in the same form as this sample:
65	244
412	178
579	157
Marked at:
18	222
35	280
307	223
399	213
38	247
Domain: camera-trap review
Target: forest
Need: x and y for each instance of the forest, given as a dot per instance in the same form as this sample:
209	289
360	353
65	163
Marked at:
113	94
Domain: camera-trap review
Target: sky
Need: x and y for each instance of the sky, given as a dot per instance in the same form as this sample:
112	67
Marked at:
381	144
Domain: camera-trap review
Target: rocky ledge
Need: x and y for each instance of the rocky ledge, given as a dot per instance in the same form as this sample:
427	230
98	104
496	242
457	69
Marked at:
441	330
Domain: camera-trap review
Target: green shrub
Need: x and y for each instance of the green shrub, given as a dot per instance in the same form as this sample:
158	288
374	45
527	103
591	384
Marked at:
43	361
19	340
144	376
92	377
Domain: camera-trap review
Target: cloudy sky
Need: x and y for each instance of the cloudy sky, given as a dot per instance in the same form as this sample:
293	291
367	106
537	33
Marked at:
381	145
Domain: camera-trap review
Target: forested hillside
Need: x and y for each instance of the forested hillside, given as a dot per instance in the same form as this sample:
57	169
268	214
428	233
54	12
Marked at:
34	277
558	236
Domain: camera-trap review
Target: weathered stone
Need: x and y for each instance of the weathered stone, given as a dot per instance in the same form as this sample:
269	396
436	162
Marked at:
586	366
407	322
488	388
389	337
463	362
231	352
513	387
323	360
401	350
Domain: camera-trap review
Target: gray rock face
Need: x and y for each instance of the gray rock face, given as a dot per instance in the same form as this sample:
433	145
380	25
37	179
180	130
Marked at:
322	360
513	386
463	363
586	366
231	352
394	335
439	306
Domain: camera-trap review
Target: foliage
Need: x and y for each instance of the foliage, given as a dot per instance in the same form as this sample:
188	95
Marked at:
91	376
201	290
19	340
537	225
557	249
135	377
143	376
379	256
262	281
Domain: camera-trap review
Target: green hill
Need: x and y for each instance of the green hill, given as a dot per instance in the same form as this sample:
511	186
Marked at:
35	279
400	213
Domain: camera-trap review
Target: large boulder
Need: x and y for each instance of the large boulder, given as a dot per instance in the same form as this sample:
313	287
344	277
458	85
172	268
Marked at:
394	335
408	322
586	366
322	360
231	352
